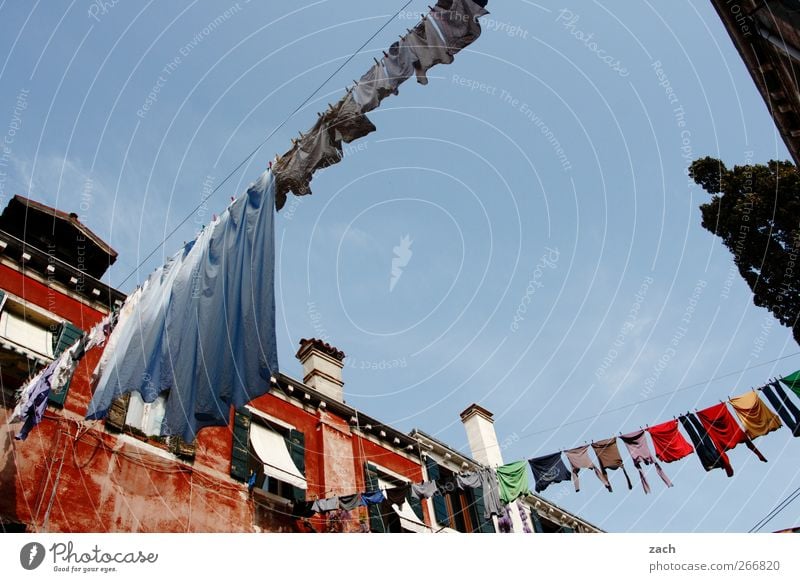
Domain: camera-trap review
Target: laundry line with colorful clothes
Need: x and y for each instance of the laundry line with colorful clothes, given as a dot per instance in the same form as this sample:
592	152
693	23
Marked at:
712	431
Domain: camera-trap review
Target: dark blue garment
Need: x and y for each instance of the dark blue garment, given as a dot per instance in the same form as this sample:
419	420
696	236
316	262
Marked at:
547	470
783	406
372	497
31	410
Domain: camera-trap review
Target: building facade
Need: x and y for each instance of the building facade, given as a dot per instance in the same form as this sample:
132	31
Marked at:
300	441
767	35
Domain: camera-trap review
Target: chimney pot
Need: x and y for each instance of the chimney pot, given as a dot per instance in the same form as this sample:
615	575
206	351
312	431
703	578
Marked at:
322	367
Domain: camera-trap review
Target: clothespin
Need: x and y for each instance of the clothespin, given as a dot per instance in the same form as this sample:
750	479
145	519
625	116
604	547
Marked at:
385	54
270	164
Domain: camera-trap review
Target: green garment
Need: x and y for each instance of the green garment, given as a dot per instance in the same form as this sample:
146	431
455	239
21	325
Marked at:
793	382
513	480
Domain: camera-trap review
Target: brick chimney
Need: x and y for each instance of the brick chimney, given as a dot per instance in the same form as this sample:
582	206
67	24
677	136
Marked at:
479	425
322	367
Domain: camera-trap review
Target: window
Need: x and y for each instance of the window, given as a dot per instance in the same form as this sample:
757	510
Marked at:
146	417
27	329
392	518
455	508
277	459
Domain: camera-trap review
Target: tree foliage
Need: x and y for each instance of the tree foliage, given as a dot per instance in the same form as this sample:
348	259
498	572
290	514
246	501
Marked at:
755	210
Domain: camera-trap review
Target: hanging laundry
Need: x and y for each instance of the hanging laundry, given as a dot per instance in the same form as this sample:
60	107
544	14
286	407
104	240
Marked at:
424	490
223	352
35	393
669	443
458	22
314	150
399	64
302	509
451	26
397	495
120	328
513	481
609	458
784	406
469	480
349	123
723	430
523	515
372	497
756	418
33	401
319	148
373	87
504	523
547	470
428	49
792	382
349	502
492	504
137	349
579	459
711	457
636	442
325	505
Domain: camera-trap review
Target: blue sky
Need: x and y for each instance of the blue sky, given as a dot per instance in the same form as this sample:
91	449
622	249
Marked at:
555	255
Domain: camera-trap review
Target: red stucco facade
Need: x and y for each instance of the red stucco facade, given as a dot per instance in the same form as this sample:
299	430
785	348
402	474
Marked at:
73	475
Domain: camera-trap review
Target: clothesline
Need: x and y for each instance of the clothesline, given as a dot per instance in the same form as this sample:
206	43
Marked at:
712	430
249	156
583	419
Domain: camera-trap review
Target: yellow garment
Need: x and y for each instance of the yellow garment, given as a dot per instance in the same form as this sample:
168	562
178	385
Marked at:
757	419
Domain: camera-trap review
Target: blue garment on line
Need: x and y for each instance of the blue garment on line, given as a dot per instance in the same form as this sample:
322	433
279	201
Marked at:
210	326
32	410
372	497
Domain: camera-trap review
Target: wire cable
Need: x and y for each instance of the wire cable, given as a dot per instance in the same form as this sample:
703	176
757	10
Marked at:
638	402
264	141
775	511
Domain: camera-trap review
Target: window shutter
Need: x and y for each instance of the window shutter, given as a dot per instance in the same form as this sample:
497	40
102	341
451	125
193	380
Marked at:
180	448
67	335
296	443
565	529
416	506
371	484
2	298
537	523
240	456
117	412
478	510
439	503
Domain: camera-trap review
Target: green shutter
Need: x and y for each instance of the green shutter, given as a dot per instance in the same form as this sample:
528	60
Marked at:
565	529
240	456
478	510
67	335
416	506
371	484
439	504
537	523
296	444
